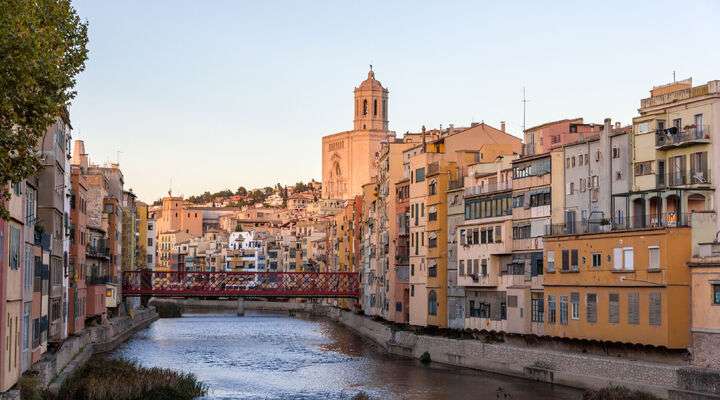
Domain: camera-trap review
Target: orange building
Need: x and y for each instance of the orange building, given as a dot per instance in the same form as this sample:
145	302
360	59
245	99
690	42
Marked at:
620	286
175	215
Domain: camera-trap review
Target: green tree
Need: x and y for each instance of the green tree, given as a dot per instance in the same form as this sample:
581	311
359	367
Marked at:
43	47
241	191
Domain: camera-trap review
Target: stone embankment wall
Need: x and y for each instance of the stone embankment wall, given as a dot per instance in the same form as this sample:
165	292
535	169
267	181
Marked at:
566	368
54	368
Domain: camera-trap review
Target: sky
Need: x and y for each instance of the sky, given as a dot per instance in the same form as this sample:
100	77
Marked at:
209	95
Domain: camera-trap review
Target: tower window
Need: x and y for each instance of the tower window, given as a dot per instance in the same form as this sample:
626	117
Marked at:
365	105
375	107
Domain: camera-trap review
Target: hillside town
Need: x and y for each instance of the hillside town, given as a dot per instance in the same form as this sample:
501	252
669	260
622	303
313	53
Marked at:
596	232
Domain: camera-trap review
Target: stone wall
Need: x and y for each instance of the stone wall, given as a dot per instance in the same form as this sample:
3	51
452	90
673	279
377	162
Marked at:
571	369
53	368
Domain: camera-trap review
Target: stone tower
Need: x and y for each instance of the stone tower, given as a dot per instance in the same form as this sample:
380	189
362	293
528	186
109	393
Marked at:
349	157
371	105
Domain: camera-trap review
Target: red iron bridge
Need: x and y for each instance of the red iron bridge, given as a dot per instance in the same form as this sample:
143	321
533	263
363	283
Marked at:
240	284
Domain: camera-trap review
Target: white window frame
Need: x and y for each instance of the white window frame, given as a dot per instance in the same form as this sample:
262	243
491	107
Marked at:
551	261
628	259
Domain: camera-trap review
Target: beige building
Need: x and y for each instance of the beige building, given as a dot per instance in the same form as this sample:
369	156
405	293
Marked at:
348	158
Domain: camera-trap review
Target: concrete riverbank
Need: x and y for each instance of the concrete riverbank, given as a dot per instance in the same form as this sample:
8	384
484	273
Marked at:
535	362
53	368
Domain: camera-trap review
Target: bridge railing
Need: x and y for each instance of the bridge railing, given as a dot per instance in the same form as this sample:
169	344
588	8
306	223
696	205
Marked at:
240	284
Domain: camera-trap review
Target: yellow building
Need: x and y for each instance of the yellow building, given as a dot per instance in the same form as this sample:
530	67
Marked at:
142	235
622	286
165	246
673	156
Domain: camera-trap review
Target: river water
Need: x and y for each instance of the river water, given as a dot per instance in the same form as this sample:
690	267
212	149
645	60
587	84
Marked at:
273	356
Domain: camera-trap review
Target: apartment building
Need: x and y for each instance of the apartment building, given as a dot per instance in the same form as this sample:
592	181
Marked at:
77	292
628	286
129	231
673	152
550	135
372	254
705	305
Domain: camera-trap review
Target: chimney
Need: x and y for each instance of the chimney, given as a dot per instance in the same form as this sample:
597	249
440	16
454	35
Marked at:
502	126
617	125
79	157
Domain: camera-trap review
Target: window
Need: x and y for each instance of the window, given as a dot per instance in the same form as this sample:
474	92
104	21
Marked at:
716	293
432	187
412	290
462	268
551	309
521	231
596	260
563	310
613	308
432	215
551	261
655	309
432	271
29	272
591	307
14	261
574	260
542	199
432	303
628	258
365	107
643	168
498	234
616	152
617	258
633	308
575	305
420	174
537	306
654	258
569	260
483	267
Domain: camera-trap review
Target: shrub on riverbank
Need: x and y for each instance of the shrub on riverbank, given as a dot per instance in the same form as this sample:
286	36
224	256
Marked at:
31	389
117	379
617	393
166	309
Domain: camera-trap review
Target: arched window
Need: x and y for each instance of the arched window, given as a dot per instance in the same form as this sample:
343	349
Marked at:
365	110
432	303
384	109
375	107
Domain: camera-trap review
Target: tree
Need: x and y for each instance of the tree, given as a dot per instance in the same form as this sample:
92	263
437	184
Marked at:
241	191
43	47
301	187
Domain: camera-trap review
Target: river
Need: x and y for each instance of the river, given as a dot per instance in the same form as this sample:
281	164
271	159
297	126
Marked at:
274	356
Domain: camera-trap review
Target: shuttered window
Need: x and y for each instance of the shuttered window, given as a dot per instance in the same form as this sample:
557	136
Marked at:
655	314
653	257
575	302
551	309
563	310
633	308
617	258
614	308
574	260
565	260
591	305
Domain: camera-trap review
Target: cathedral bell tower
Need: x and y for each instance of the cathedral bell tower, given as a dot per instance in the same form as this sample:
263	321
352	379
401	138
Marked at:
371	105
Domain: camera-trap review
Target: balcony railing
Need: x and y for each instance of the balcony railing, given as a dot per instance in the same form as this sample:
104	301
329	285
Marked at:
97	279
673	137
682	178
97	251
657	220
489	188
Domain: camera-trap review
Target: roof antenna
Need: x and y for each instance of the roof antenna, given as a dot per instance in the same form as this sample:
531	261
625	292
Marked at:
524	101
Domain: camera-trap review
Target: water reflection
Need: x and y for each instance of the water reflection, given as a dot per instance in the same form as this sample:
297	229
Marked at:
272	356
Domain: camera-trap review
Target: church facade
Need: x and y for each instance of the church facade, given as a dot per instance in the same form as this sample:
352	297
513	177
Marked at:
348	158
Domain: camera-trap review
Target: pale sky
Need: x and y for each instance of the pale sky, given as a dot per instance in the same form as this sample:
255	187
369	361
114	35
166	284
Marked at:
218	94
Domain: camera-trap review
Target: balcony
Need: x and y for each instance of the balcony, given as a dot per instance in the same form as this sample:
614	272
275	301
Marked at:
98	251
646	221
676	137
682	178
470	280
97	280
489	188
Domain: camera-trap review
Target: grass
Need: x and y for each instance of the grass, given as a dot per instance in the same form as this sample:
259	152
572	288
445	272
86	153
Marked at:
167	309
118	379
617	393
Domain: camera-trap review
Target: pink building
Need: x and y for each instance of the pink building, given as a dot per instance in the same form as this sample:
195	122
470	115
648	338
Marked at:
543	138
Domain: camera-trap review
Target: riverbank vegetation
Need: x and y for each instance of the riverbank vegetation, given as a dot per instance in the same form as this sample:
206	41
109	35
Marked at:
104	378
617	393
